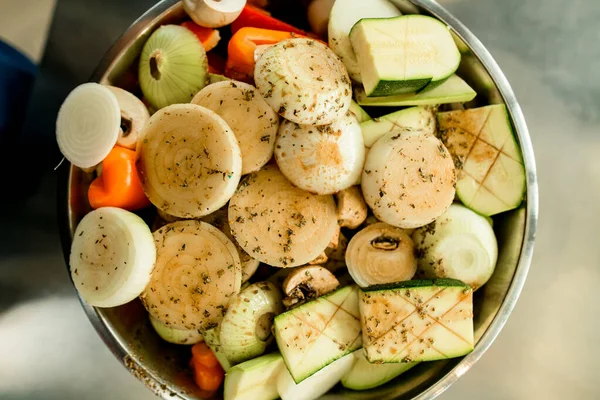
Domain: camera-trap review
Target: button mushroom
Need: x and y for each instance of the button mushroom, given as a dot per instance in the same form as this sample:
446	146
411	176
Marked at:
134	116
213	13
308	283
381	253
351	207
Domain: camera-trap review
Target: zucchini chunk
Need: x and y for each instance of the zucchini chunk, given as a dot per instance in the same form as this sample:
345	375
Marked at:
413	119
453	90
403	54
254	379
344	14
315	334
490	170
420	320
365	375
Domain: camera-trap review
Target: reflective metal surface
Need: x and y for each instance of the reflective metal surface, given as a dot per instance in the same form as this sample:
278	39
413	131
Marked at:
162	367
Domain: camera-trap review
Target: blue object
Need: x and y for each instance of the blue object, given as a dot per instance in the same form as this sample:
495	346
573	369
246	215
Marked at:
17	74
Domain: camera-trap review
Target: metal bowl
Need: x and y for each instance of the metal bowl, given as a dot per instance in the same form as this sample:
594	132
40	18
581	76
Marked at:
163	367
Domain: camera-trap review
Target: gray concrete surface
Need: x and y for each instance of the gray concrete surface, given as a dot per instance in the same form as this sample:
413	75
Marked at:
548	349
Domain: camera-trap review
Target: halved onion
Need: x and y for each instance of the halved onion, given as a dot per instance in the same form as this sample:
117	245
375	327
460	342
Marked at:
245	331
278	223
197	272
381	253
87	126
188	160
321	159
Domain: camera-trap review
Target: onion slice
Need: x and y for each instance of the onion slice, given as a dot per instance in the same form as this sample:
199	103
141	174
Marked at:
278	223
88	124
197	272
189	160
381	253
112	256
218	219
304	81
408	179
321	159
460	245
250	118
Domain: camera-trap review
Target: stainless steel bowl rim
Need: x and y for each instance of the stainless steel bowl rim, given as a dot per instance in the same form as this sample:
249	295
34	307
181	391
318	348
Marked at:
115	344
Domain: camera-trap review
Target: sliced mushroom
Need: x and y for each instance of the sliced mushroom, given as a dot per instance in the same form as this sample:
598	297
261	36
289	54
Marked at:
134	116
213	13
381	253
351	207
308	283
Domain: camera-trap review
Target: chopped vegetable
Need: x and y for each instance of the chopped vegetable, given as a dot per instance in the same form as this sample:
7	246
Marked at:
316	385
453	90
208	37
173	66
208	374
278	223
381	253
254	379
408	179
403	54
491	174
197	273
134	116
213	13
250	118
344	15
414	119
351	206
307	283
112	256
255	17
118	185
304	81
460	244
87	126
417	321
240	51
245	331
360	114
189	160
365	375
175	336
321	159
315	334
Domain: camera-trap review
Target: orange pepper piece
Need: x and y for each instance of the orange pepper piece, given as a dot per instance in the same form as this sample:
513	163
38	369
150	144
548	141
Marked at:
240	51
119	184
208	373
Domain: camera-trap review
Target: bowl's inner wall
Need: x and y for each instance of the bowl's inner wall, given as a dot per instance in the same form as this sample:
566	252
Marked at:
163	367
